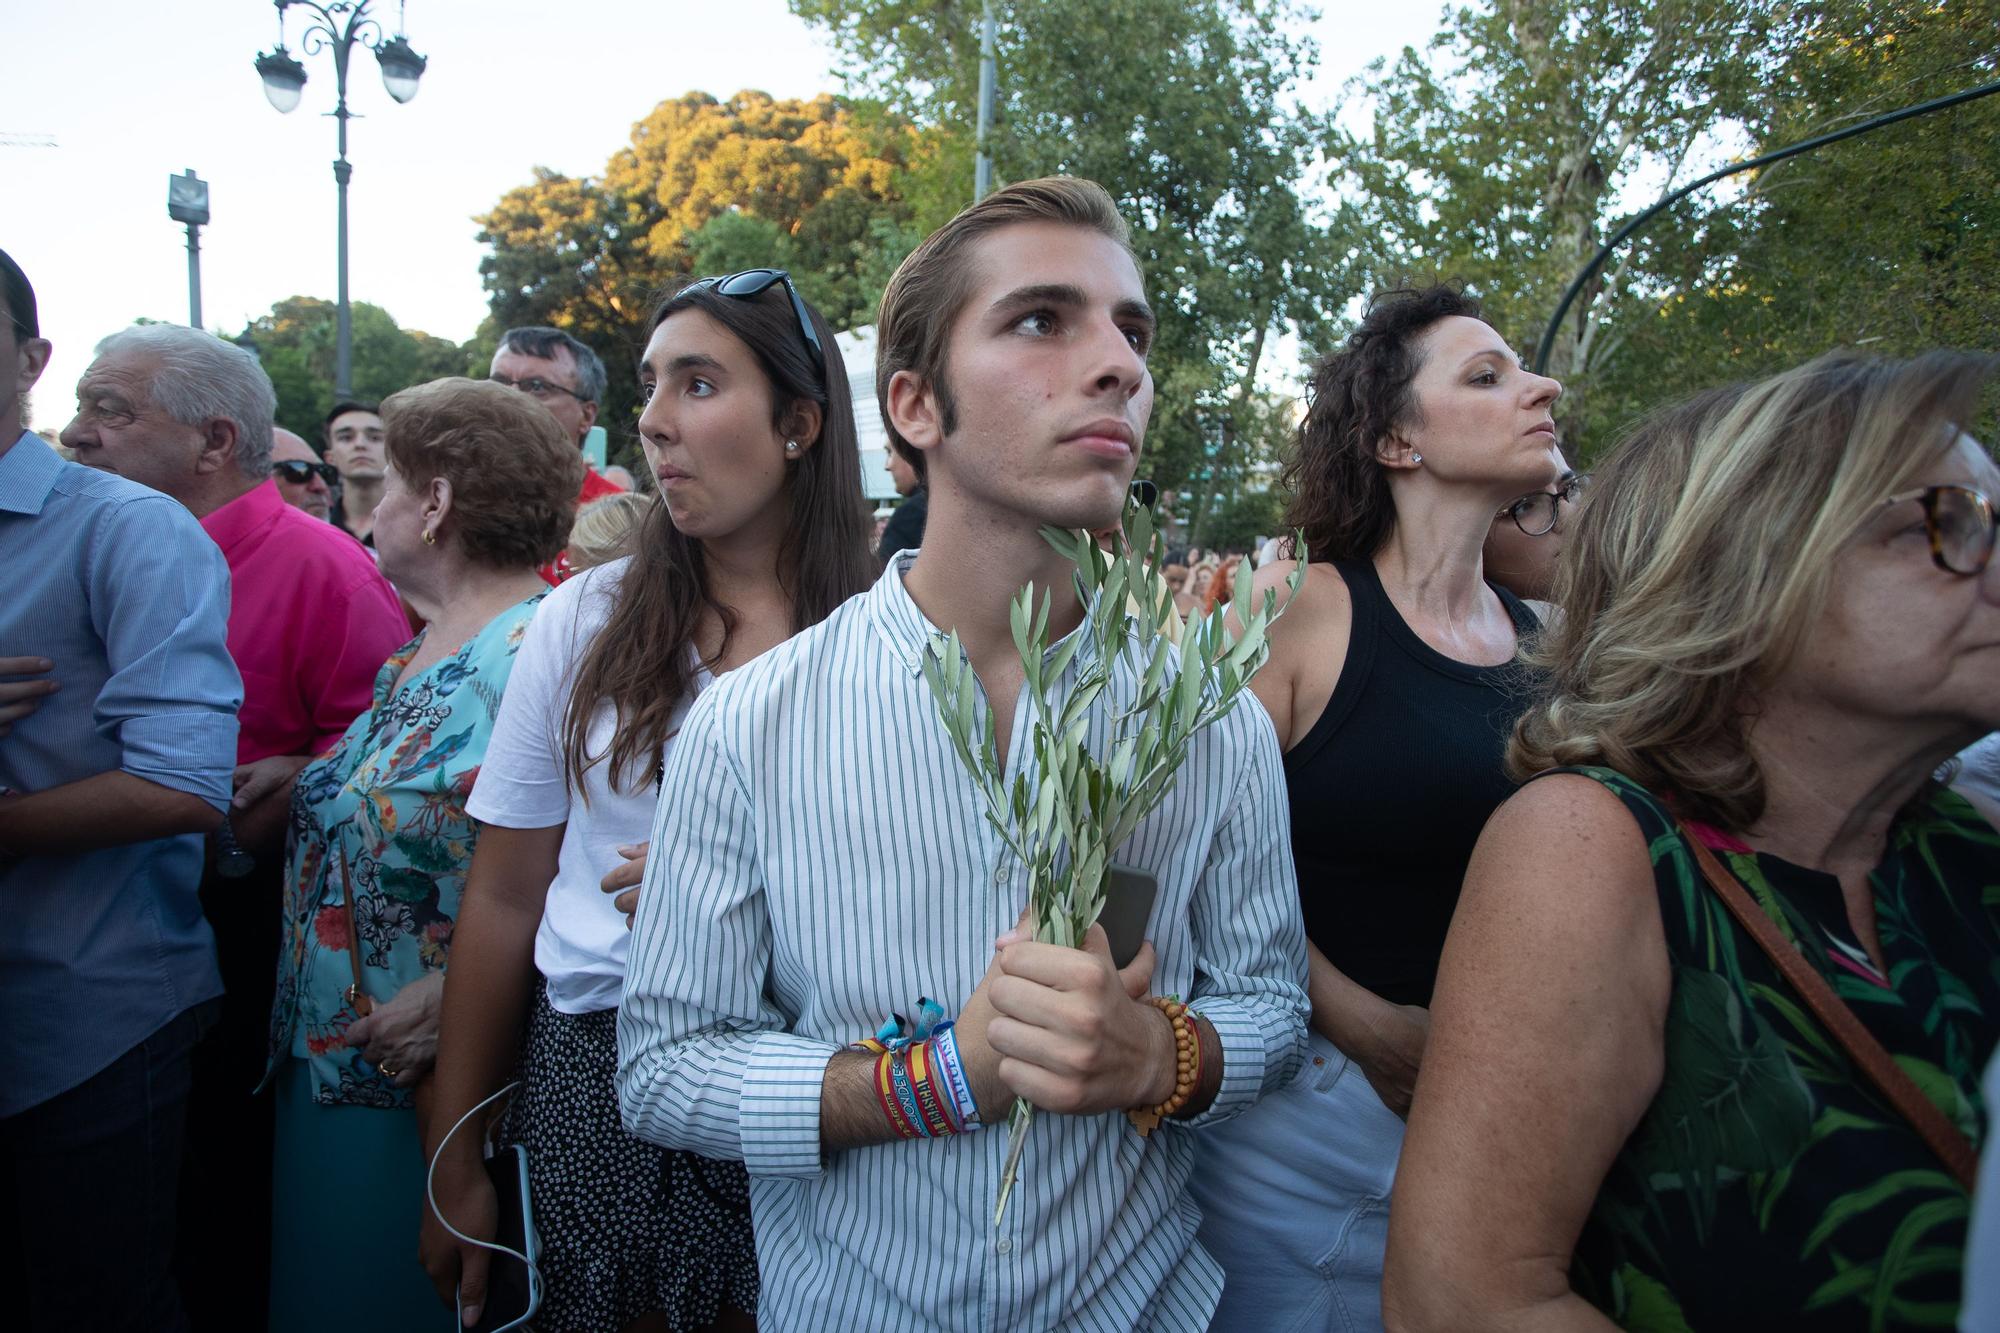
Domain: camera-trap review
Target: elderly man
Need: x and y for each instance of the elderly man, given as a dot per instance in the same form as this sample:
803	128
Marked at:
304	482
116	745
310	624
356	446
566	377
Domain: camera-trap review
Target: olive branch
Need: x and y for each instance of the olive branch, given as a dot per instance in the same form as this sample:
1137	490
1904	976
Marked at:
1067	810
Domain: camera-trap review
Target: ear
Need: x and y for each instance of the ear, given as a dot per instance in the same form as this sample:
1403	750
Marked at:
219	439
589	414
802	423
437	502
913	410
1396	453
34	360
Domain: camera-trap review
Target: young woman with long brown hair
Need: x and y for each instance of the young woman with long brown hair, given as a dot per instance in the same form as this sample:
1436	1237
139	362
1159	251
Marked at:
760	531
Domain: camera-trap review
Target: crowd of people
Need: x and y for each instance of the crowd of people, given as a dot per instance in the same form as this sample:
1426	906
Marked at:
1589	924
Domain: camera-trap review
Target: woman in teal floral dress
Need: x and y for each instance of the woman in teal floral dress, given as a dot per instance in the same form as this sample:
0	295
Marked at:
1783	619
479	492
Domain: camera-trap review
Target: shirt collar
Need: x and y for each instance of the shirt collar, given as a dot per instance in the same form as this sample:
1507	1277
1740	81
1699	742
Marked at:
256	508
908	631
28	472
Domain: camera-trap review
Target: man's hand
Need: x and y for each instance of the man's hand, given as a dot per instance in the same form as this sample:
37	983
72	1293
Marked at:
18	698
400	1038
1069	1030
1393	1052
624	881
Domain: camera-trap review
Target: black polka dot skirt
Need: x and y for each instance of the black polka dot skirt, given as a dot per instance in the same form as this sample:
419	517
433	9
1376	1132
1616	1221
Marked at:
627	1228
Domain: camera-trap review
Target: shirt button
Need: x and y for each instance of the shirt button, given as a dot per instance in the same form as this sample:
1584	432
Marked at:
1000	877
1005	1246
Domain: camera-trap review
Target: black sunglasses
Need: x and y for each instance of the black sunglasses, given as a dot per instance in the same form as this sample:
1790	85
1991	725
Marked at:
753	282
298	472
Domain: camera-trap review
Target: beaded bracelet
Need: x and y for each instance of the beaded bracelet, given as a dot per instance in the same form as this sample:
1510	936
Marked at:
1187	1066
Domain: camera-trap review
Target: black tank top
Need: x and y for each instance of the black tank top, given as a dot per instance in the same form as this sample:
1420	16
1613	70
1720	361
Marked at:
1390	788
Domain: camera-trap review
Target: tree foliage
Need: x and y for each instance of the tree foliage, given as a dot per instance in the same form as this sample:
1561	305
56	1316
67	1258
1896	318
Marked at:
705	186
1192	126
1506	154
296	343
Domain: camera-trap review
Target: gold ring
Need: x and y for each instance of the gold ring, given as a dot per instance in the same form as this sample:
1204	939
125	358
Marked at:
387	1072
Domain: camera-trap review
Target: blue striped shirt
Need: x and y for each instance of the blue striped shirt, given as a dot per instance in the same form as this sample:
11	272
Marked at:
819	861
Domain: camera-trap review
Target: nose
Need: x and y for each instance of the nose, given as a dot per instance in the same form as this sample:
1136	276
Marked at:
1118	367
1543	391
76	433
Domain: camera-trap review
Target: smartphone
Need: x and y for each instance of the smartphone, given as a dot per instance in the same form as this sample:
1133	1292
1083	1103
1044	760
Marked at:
1128	910
513	1288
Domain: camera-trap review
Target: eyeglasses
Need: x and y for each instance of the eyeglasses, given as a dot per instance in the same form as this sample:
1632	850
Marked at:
542	389
1960	523
1535	515
297	472
753	282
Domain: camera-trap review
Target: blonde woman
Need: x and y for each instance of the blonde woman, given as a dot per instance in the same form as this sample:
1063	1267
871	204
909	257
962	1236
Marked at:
606	530
1782	617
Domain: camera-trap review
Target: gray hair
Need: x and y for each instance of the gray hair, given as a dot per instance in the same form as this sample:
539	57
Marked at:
200	378
540	340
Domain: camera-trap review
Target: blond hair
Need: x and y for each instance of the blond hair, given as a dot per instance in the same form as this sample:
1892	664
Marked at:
606	529
1704	552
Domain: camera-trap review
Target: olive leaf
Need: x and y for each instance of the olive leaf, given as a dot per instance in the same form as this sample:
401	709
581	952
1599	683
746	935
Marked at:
1068	809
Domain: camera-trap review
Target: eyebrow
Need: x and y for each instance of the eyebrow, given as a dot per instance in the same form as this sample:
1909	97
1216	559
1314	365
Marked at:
1063	293
688	361
1507	354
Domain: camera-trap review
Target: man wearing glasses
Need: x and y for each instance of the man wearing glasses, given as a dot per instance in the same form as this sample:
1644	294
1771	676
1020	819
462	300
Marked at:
566	377
303	481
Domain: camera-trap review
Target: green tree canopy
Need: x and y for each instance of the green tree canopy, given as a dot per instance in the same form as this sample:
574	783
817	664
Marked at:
705	185
1507	153
1192	125
295	341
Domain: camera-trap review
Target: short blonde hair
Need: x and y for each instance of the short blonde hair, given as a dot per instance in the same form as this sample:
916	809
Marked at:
606	529
1704	552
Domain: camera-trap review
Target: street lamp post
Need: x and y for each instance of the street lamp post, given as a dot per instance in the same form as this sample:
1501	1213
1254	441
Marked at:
187	203
339	26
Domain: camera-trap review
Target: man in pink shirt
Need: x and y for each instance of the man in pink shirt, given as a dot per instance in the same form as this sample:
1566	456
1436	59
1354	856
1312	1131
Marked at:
311	622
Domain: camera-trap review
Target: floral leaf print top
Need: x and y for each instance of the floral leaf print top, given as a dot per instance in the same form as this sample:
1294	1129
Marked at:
383	813
1769	1186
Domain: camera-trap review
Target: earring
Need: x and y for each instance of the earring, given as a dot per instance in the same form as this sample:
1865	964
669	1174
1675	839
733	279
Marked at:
791	446
430	538
1416	458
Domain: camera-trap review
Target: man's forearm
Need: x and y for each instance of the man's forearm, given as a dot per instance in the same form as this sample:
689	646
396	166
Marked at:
851	1114
108	810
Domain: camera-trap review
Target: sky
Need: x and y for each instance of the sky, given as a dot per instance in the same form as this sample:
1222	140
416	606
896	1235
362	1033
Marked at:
134	91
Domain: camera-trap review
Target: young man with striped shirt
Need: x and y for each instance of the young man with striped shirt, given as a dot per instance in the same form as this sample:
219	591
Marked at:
786	910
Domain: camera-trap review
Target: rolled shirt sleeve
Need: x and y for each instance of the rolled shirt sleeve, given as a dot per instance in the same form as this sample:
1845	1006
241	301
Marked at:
1250	941
159	602
705	1063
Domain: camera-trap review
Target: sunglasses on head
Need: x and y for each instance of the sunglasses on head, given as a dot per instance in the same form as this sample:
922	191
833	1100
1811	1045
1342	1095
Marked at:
753	282
298	472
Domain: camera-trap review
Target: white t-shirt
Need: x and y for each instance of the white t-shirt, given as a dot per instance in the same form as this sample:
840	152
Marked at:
581	944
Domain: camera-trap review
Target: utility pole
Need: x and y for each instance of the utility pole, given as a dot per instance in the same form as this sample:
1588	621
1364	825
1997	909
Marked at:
982	171
187	202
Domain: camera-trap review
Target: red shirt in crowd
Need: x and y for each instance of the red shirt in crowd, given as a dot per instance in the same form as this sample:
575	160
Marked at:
595	487
311	621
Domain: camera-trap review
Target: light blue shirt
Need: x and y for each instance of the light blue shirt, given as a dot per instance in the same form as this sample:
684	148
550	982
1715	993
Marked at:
119	587
820	860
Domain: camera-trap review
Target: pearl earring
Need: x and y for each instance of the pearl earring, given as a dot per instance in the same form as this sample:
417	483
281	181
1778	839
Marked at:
791	446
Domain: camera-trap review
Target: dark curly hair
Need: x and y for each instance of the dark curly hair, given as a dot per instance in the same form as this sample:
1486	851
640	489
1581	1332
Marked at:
1340	495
